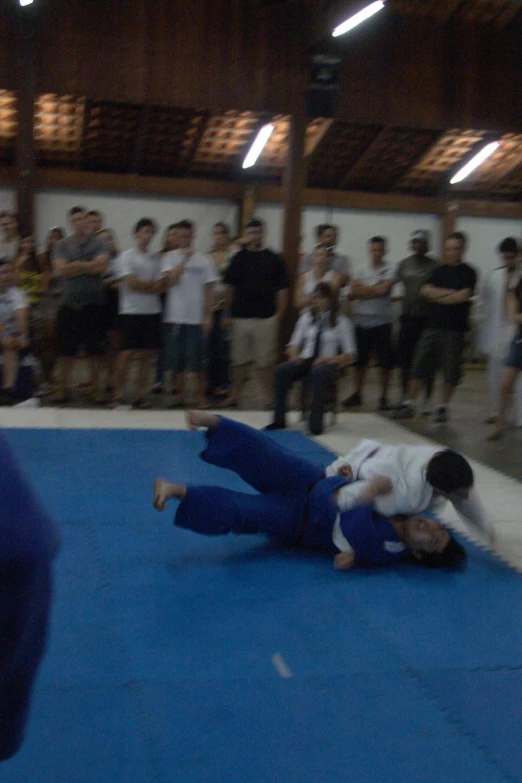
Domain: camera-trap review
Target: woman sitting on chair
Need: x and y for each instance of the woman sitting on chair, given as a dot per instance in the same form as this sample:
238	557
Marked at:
322	344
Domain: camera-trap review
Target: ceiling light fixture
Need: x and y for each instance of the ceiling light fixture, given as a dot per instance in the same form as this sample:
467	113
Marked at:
258	145
357	18
25	2
475	162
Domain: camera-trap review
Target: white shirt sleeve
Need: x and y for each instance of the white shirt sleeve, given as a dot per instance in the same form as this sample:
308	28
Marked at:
121	266
168	261
346	335
19	300
472	510
333	469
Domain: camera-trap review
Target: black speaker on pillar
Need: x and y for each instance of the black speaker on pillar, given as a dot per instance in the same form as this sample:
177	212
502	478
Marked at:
322	91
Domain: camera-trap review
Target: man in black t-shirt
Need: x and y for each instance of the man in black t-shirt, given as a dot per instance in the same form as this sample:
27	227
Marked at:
449	290
258	286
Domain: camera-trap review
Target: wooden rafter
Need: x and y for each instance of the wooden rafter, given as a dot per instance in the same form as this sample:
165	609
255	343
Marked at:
314	141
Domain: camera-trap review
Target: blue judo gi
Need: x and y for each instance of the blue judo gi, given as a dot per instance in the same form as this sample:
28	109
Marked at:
295	503
28	543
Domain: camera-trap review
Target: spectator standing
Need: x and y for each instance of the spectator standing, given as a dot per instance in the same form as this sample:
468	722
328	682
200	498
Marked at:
513	364
372	316
82	261
449	291
111	297
258	285
328	235
496	330
413	273
10	239
321	345
170	242
14	334
189	279
218	359
319	273
50	305
94	221
138	275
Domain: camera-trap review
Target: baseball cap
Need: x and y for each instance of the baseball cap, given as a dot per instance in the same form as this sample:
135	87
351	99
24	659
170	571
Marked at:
422	235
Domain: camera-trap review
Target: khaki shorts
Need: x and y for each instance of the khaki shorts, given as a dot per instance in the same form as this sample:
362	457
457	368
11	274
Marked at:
254	340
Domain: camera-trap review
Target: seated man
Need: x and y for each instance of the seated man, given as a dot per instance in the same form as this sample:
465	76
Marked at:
14	331
422	477
28	544
299	506
322	344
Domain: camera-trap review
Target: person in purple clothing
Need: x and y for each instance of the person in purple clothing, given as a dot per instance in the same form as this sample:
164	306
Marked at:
29	542
297	505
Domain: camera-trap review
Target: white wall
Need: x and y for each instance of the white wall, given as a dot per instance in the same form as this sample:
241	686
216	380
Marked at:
356	227
7	198
121	212
484	236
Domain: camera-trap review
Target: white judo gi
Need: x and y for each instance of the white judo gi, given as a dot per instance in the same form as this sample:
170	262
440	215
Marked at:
405	466
495	333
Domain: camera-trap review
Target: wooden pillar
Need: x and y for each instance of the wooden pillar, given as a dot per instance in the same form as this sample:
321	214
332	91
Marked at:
25	151
247	207
449	221
294	182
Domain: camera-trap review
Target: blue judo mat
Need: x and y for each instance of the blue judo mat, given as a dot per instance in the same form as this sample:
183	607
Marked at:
159	668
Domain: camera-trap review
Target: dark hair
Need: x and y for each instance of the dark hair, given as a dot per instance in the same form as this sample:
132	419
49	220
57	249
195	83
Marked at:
508	245
224	226
94	212
322	227
453	557
254	223
448	471
459	235
76	211
186	224
326	290
172	226
144	223
377	241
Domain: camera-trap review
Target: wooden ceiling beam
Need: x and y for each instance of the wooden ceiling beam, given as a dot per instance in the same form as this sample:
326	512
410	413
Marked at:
313	143
205	188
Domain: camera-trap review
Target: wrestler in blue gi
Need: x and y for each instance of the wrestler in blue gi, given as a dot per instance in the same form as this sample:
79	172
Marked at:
28	544
297	505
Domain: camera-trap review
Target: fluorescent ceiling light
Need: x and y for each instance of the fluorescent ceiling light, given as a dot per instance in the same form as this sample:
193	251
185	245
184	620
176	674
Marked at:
26	2
475	162
258	145
356	19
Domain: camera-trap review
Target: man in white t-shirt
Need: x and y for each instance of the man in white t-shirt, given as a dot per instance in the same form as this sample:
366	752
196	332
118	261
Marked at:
14	331
189	279
9	235
372	316
138	273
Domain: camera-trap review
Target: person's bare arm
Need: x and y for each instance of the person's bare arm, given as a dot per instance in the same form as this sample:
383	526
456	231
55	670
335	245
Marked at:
143	286
512	308
360	291
433	293
300	298
22	325
98	266
281	301
457	297
173	276
343	561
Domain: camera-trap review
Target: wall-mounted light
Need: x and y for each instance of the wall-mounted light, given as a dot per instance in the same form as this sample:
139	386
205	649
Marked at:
258	145
357	18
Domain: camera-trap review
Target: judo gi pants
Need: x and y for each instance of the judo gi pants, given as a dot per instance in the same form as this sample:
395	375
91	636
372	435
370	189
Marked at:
282	478
28	544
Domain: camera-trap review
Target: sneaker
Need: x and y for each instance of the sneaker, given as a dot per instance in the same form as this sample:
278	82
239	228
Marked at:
354	401
441	415
404	411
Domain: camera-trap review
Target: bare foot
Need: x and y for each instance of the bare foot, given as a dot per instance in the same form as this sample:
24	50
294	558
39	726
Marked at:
165	490
197	419
496	434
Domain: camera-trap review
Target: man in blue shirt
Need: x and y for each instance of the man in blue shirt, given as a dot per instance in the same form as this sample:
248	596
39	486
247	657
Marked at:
297	504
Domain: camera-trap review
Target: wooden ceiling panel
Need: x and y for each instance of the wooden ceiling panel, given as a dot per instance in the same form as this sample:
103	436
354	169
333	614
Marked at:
338	152
387	159
480	11
225	138
109	136
170	140
8	125
58	129
433	168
